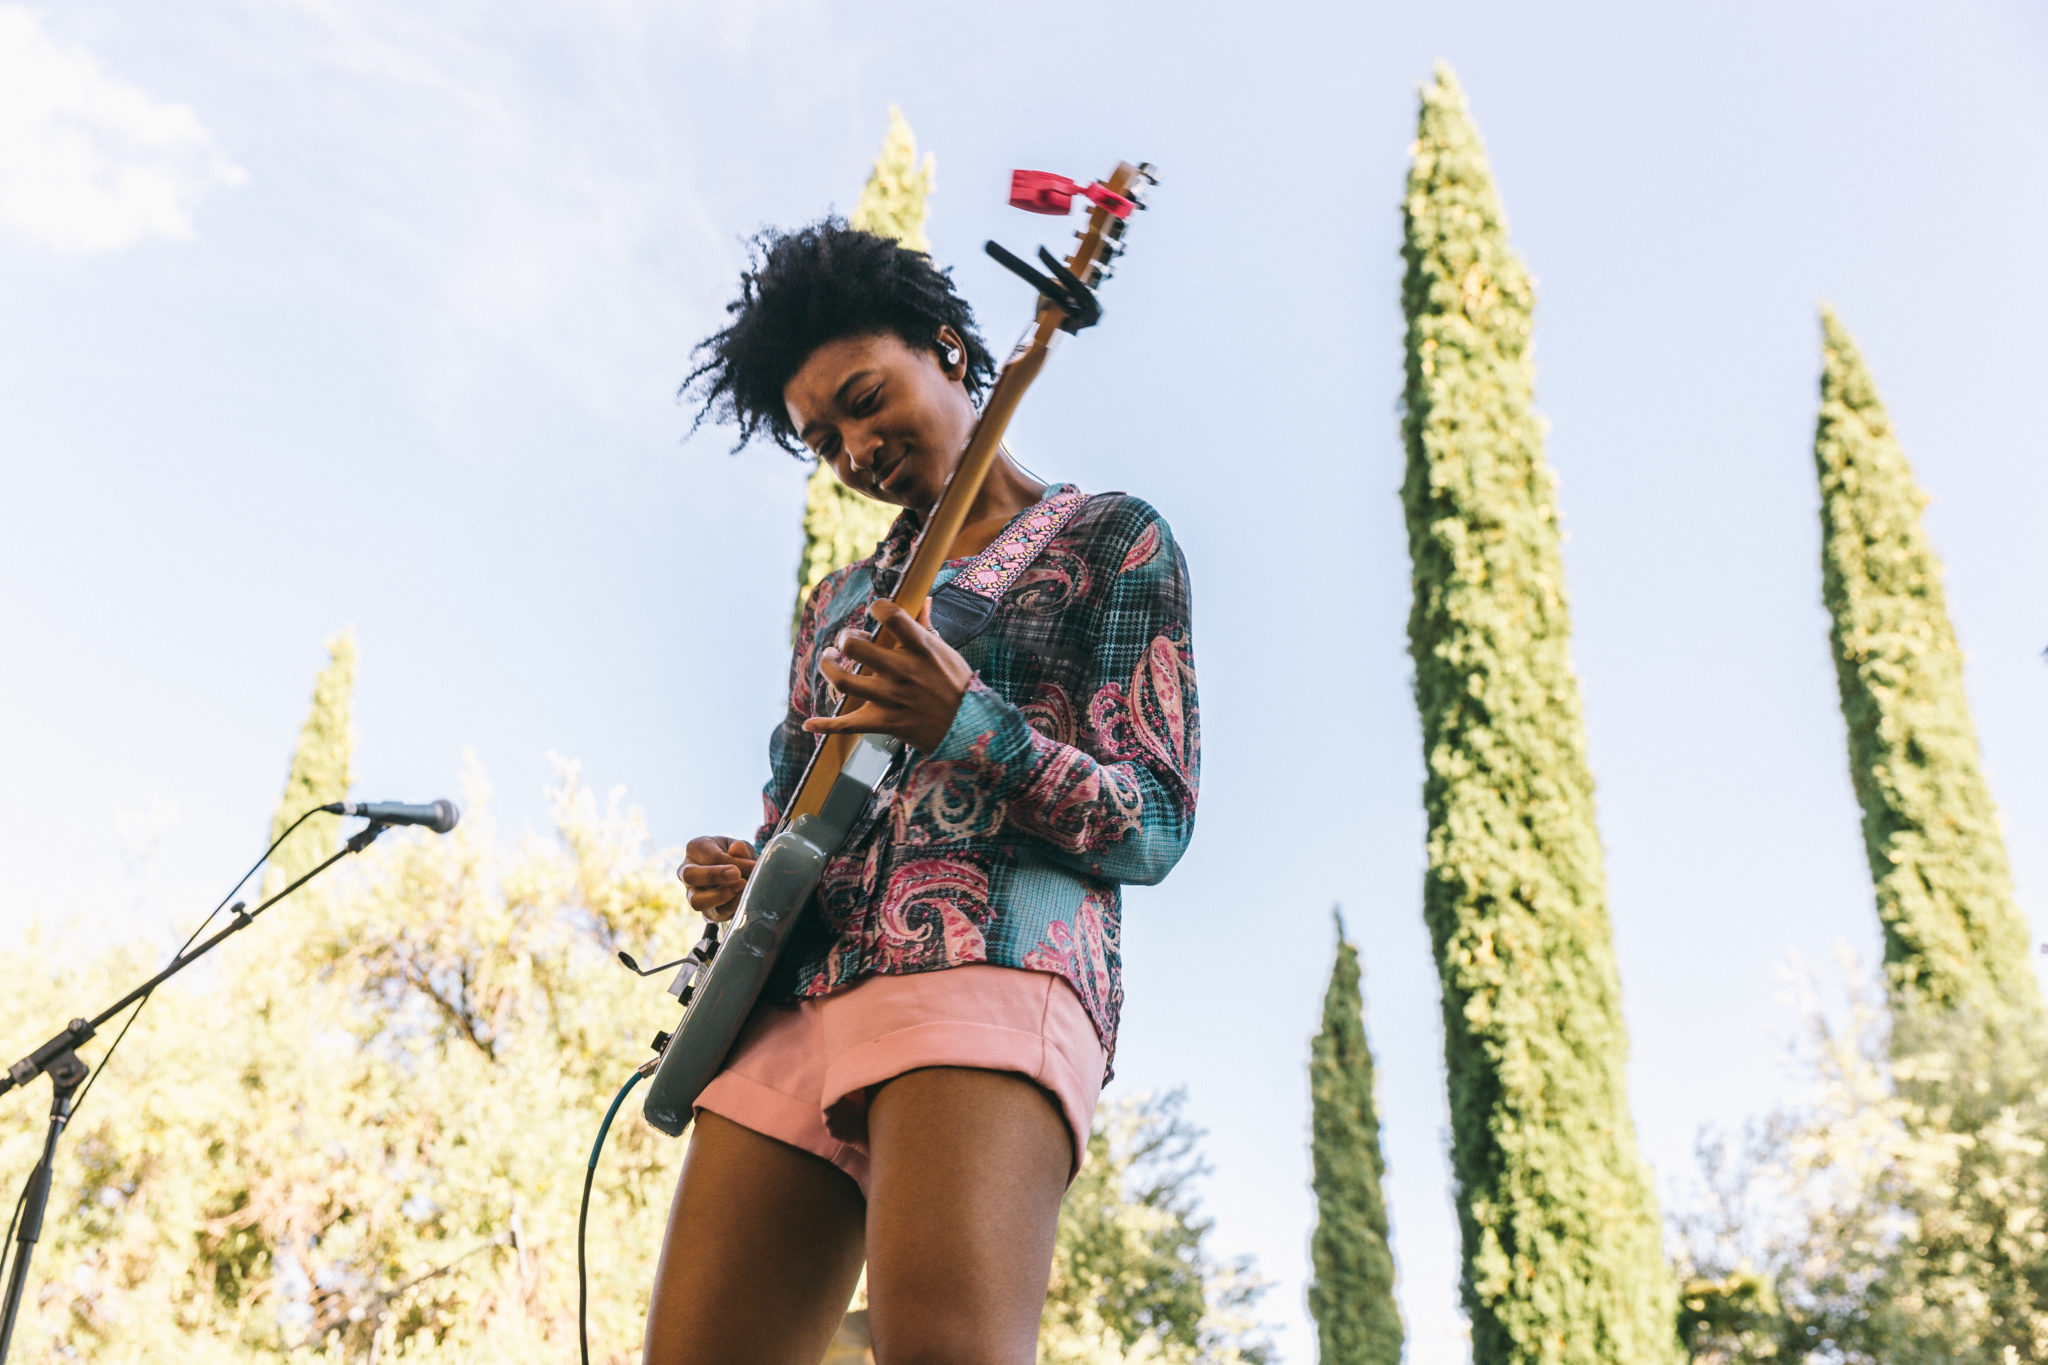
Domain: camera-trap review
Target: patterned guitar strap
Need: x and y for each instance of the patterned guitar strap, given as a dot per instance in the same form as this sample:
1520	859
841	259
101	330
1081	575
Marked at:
963	607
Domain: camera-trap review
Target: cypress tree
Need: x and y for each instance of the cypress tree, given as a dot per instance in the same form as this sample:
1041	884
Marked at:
1563	1252
840	525
1953	933
320	769
1352	1296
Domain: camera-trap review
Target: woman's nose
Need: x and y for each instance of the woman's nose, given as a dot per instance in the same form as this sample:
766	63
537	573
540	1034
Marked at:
861	448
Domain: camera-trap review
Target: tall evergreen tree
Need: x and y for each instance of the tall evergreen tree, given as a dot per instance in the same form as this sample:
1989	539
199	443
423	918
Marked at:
320	769
1352	1296
1953	933
840	525
1563	1252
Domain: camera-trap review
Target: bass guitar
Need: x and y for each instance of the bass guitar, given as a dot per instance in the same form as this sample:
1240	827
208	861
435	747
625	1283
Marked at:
719	985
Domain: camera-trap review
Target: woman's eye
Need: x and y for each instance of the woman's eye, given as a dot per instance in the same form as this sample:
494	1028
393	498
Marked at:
867	402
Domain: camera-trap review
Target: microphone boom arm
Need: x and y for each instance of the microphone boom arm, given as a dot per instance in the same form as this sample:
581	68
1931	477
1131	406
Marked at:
33	1065
59	1058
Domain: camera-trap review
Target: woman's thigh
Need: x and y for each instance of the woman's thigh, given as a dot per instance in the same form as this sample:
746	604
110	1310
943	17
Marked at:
967	1170
762	1253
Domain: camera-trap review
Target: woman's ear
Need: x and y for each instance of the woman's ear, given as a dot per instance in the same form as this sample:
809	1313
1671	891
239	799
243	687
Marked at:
952	354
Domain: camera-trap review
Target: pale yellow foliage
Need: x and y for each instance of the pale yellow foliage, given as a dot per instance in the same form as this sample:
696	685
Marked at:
892	203
1901	1214
1131	1278
364	1137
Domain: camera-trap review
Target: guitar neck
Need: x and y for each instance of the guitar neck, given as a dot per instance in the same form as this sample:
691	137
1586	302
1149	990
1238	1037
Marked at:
1098	241
929	555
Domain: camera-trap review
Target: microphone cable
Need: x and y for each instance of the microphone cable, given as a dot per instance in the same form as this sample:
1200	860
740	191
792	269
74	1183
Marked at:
583	1217
20	1202
7	1247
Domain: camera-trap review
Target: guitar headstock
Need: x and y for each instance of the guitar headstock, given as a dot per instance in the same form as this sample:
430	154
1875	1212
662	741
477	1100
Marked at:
1071	292
1101	239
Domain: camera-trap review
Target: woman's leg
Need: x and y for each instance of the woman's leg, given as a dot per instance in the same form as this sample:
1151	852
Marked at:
762	1253
964	1184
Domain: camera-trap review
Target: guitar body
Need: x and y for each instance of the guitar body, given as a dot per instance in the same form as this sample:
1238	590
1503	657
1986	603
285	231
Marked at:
777	892
719	985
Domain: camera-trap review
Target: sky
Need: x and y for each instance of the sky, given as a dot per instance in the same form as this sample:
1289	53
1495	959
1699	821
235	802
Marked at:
372	314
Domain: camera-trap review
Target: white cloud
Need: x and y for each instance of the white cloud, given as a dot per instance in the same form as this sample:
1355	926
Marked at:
89	162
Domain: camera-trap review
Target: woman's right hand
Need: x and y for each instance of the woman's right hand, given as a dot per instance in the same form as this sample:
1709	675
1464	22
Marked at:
715	870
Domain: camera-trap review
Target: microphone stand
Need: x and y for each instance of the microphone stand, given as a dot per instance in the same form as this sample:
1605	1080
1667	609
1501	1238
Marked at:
59	1059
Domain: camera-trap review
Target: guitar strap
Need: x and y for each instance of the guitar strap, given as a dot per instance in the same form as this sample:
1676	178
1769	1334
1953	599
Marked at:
963	606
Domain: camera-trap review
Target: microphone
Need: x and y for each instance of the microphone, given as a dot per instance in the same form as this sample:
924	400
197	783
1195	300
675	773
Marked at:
439	817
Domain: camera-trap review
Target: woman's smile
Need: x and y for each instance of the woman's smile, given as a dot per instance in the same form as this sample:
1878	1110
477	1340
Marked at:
886	473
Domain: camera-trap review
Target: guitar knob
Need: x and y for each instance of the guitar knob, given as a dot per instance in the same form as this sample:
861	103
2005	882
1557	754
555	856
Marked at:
661	1041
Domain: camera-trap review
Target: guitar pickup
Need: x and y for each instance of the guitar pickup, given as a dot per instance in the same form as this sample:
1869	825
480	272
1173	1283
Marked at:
858	777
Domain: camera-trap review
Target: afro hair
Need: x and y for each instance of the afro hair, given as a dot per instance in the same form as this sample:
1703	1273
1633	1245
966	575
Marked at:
813	285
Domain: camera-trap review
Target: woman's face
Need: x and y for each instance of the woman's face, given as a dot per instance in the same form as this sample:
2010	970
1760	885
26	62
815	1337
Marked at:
891	419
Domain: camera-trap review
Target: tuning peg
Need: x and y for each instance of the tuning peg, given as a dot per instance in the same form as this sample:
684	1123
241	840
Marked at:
1147	177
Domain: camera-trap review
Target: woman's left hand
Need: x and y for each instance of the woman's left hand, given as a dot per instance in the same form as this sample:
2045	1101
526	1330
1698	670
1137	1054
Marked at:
909	688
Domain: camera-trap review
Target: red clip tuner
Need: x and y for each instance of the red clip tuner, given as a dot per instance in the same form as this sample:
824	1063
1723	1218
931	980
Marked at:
1045	192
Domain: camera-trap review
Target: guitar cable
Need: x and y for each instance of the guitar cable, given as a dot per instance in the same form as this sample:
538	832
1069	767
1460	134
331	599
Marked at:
583	1217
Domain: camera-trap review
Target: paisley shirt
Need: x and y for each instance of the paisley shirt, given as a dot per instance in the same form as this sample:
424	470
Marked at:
1070	769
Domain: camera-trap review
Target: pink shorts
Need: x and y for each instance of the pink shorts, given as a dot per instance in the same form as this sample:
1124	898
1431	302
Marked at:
803	1075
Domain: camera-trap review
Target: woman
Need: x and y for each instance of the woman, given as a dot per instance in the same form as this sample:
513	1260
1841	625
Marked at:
917	1090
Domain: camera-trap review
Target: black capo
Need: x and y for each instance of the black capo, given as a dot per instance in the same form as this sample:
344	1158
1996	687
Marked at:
1063	289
